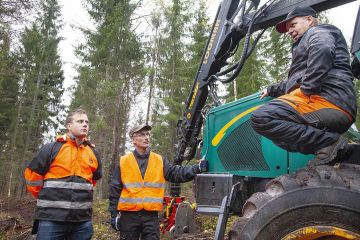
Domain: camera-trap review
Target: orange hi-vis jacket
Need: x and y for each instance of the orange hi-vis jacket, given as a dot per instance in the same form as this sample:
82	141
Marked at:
141	193
62	176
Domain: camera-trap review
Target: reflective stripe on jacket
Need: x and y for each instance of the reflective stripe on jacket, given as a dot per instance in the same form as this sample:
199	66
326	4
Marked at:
138	193
62	177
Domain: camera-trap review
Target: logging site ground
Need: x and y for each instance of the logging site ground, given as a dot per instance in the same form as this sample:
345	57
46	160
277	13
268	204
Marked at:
16	218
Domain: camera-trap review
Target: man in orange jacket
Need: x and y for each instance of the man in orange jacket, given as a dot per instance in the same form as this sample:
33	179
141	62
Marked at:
137	187
62	176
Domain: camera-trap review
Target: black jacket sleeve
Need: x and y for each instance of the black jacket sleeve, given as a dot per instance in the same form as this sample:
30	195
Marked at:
115	190
41	162
277	89
98	173
179	174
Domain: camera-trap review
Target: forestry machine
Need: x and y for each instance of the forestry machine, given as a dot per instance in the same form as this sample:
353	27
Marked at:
272	191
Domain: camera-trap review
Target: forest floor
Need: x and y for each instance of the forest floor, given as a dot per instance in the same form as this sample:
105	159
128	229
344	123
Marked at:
16	218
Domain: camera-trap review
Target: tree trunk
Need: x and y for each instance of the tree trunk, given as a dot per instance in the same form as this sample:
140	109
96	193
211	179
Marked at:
115	132
24	157
152	75
235	90
12	149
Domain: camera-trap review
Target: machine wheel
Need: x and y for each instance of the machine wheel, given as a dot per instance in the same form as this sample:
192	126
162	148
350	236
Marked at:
314	203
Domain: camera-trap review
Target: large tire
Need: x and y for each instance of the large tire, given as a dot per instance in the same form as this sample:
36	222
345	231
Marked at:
314	203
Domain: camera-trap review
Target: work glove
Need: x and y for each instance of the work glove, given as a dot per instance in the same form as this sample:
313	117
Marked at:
203	165
115	222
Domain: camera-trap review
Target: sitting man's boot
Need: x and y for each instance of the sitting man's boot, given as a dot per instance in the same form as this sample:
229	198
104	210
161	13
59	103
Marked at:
329	154
350	154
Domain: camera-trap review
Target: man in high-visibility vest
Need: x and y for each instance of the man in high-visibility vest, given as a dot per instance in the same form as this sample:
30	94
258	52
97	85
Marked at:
138	184
62	176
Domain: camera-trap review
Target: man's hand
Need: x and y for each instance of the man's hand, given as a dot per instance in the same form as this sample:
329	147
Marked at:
264	93
115	222
203	165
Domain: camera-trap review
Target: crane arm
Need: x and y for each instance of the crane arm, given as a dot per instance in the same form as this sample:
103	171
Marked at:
235	20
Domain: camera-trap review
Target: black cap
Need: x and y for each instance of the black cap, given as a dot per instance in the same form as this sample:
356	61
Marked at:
138	128
296	12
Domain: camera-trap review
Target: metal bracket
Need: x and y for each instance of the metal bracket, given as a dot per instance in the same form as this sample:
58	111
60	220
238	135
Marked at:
227	203
184	220
222	220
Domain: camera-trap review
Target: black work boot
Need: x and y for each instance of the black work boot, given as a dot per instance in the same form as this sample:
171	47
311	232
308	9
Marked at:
350	154
329	154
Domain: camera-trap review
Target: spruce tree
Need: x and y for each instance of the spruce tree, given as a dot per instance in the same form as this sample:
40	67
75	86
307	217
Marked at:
8	88
276	52
173	83
251	77
41	83
8	98
110	77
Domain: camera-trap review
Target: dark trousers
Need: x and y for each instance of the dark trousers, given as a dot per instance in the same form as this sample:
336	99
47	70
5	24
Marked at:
296	130
142	224
52	230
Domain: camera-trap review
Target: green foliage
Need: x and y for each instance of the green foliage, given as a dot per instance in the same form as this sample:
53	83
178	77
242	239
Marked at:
8	88
41	68
110	76
267	64
323	18
35	88
200	30
251	77
177	69
208	222
276	51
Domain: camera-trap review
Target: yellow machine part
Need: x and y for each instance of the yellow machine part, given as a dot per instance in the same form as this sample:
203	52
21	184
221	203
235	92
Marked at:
323	232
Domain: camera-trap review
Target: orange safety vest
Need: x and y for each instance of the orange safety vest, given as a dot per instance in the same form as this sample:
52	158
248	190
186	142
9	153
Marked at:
141	193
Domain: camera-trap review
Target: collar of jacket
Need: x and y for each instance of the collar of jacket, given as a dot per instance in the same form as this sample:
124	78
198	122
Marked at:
68	137
144	155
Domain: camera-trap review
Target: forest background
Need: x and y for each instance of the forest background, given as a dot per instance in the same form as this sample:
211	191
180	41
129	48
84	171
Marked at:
133	67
